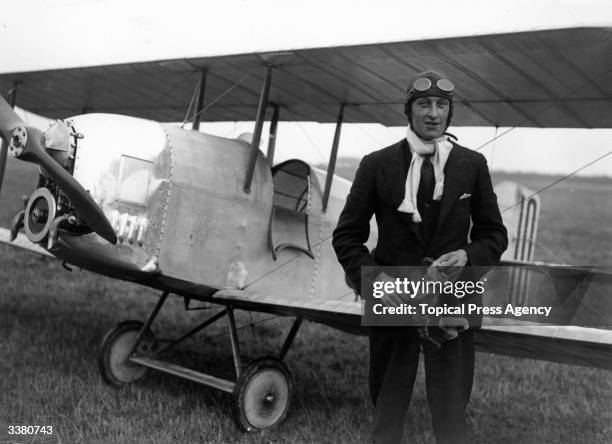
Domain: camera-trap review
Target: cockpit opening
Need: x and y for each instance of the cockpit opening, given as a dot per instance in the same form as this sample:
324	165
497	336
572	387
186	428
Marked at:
291	206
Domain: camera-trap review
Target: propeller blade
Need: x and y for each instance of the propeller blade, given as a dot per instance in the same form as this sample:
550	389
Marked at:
9	120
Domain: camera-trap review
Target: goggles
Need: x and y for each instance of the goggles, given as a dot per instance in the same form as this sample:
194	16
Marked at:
422	84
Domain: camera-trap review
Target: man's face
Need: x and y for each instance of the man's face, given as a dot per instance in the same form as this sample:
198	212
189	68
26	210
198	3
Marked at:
429	116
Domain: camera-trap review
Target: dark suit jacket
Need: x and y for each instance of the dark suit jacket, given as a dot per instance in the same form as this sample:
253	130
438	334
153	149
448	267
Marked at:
378	189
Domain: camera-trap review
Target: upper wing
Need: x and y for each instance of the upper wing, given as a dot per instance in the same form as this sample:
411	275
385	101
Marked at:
553	78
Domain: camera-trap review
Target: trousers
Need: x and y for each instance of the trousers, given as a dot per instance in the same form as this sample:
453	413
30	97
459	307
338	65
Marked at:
449	375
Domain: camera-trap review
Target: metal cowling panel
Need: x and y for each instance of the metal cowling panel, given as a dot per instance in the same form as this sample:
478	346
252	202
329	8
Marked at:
120	161
213	233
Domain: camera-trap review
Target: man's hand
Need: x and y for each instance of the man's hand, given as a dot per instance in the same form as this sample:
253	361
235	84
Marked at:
451	264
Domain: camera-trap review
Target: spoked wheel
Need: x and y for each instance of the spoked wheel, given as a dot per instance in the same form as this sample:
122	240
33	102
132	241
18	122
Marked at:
262	394
113	358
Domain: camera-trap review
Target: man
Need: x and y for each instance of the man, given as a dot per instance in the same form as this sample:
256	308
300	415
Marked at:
423	191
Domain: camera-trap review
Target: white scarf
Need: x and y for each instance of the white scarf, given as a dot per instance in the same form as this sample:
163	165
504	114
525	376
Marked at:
440	148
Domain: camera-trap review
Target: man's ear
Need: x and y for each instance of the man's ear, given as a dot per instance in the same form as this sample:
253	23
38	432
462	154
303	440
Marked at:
450	116
408	112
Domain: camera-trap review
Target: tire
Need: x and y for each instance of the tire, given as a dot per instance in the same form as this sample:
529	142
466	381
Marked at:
112	359
262	394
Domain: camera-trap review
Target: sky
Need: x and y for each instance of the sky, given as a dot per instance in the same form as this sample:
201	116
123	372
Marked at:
39	34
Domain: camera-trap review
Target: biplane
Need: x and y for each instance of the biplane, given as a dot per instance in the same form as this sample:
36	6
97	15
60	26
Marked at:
215	220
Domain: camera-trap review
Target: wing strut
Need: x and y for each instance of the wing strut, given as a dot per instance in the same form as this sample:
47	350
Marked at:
197	112
272	138
12	98
261	115
332	157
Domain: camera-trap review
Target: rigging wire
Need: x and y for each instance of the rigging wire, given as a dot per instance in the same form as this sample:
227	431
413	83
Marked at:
250	324
207	339
193	96
175	85
494	146
363	130
226	92
235	85
542	246
557	181
316	244
294	120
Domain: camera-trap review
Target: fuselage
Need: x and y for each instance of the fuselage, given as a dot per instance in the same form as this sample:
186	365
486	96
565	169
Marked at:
175	199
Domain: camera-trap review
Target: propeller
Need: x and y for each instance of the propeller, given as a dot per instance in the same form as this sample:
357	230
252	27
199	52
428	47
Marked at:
25	143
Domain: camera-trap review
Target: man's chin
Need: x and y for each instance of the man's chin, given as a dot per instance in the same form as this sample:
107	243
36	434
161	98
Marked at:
431	134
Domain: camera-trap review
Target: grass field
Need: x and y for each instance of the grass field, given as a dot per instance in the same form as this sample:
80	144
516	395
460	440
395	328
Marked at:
52	321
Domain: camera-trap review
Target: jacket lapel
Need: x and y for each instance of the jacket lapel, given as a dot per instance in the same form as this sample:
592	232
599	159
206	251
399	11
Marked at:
396	171
454	173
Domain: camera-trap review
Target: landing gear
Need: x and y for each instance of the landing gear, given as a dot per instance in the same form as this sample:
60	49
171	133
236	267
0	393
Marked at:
116	348
262	394
261	391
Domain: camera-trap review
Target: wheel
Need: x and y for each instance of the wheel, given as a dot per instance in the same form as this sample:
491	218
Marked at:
262	394
112	360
